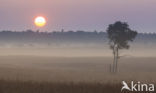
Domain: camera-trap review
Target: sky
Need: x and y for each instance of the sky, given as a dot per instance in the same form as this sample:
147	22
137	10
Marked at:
86	15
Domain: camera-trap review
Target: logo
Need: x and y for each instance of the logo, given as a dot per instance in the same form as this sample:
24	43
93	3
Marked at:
137	86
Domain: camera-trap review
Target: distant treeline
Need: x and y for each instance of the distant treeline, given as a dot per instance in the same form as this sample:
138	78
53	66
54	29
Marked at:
57	36
63	37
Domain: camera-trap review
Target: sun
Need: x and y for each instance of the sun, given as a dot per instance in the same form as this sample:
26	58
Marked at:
40	21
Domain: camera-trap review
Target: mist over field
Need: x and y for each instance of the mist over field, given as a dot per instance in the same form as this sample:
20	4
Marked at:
73	56
73	62
70	43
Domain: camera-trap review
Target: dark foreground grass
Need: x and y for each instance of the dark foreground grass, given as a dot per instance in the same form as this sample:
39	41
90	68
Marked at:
46	87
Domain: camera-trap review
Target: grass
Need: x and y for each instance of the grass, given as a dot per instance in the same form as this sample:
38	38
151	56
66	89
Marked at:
7	86
45	87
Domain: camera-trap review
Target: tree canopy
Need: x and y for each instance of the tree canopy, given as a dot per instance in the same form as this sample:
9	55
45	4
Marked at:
120	34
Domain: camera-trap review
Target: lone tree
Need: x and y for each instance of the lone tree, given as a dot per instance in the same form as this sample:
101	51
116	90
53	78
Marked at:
119	35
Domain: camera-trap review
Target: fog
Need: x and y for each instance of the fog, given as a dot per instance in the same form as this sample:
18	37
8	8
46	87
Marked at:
74	56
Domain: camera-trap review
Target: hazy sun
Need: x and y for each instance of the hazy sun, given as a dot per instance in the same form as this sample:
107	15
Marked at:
40	21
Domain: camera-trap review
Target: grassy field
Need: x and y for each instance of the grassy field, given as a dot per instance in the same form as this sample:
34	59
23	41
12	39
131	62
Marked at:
34	87
77	69
25	73
46	87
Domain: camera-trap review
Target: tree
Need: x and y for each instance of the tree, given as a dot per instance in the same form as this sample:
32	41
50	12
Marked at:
119	34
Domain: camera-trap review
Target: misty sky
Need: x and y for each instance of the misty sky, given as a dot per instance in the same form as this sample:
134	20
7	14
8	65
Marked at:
78	14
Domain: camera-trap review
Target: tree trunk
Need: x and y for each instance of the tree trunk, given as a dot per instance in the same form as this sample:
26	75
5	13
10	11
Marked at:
114	61
116	56
116	64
